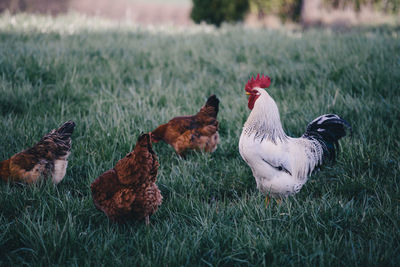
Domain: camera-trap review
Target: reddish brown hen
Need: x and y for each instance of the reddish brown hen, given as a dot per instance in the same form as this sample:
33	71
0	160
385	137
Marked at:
46	158
128	191
197	132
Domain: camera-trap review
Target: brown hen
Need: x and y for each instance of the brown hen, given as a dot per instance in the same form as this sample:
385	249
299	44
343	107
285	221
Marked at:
197	132
47	158
128	191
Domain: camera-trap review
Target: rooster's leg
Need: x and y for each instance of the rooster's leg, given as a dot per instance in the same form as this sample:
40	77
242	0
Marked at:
267	200
147	220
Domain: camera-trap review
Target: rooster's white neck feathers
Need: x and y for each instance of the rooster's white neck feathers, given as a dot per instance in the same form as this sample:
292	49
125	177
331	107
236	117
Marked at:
264	121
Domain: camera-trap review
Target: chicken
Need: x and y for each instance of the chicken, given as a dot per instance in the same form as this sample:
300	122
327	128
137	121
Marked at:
49	157
128	191
197	132
282	164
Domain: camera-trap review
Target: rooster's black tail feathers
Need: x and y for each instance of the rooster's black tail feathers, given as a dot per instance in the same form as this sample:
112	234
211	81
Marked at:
327	130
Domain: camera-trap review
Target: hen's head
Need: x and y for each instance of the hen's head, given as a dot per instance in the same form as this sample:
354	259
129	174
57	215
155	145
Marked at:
143	144
144	140
252	87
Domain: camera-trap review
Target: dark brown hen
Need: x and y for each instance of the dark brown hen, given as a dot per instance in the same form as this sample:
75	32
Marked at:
197	132
49	157
128	191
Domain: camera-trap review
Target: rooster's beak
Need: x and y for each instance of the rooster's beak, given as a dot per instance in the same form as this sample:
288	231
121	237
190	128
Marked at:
247	93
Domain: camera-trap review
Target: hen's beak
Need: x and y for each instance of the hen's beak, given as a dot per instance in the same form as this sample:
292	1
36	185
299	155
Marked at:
247	93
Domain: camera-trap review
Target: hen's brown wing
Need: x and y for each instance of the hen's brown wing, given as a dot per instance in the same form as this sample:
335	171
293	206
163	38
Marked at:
201	133
104	187
28	168
171	130
110	196
181	132
197	132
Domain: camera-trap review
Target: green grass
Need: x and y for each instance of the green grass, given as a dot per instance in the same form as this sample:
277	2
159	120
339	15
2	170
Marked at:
118	81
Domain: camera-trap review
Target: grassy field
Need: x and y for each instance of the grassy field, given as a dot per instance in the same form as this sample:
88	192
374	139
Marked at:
116	81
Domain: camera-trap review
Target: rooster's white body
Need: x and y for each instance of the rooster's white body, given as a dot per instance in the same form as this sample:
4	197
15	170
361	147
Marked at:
282	164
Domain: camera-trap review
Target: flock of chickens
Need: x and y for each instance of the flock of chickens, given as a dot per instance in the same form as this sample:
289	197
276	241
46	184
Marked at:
280	164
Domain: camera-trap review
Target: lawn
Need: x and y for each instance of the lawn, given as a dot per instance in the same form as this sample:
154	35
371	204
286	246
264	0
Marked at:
116	81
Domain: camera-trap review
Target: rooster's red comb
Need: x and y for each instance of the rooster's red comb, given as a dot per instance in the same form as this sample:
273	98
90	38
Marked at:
261	82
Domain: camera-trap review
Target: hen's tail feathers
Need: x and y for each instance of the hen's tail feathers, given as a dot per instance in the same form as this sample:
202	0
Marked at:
66	129
327	130
61	138
212	106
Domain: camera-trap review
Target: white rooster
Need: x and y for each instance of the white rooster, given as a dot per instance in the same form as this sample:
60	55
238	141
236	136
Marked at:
282	164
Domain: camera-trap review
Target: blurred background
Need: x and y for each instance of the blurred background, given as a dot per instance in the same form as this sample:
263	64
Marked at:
268	13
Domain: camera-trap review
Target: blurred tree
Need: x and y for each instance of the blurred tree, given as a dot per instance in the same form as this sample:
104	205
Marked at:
386	6
285	9
217	11
306	10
